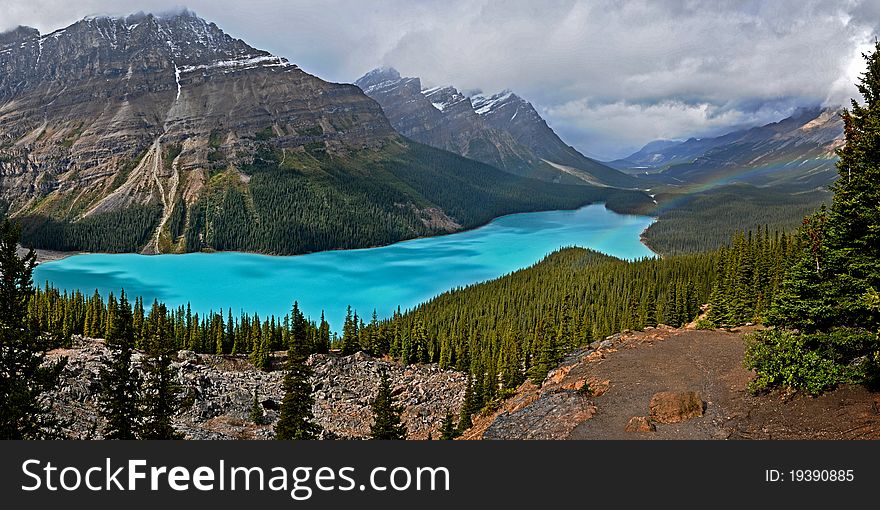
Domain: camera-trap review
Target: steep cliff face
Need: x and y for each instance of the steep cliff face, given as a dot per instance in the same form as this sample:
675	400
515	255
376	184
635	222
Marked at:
112	112
443	117
164	134
514	115
503	130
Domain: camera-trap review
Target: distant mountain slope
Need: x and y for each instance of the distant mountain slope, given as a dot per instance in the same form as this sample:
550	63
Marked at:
796	152
164	134
445	118
512	114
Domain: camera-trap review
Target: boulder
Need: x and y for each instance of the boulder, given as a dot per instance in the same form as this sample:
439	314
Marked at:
640	424
675	407
218	393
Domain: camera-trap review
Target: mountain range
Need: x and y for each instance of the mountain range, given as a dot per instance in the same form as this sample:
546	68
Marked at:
164	134
794	154
502	130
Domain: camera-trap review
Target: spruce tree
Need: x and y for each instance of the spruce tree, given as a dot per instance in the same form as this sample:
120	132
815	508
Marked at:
350	344
296	420
386	412
467	407
448	430
120	383
838	270
323	346
25	412
256	413
161	399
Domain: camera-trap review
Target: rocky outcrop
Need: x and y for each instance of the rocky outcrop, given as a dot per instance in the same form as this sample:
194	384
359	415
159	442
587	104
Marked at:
218	392
444	118
640	424
564	400
675	407
551	416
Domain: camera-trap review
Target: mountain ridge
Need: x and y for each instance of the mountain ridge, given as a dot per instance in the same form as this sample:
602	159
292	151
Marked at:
796	152
475	127
163	134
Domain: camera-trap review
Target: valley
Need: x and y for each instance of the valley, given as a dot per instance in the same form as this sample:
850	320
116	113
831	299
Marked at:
229	247
381	279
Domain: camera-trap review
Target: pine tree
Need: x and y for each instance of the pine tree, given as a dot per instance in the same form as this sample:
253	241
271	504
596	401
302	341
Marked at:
25	412
651	310
448	430
323	346
350	344
256	413
838	269
120	383
296	420
467	406
161	397
386	413
299	329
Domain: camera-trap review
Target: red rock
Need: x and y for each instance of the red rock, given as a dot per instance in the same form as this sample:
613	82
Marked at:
673	407
640	424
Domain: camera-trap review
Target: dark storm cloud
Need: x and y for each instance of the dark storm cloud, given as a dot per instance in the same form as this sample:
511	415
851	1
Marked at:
608	75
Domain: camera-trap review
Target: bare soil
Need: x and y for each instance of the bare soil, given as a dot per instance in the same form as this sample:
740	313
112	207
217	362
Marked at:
710	363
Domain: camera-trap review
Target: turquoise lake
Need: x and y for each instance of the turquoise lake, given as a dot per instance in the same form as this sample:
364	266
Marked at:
403	274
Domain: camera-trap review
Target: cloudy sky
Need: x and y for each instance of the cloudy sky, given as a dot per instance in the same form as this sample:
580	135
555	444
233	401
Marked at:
609	76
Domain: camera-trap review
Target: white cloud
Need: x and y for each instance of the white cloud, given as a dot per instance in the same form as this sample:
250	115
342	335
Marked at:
609	75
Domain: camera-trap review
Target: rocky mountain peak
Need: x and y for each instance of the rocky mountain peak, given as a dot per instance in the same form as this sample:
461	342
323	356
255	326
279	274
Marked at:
18	34
502	130
378	76
446	98
90	113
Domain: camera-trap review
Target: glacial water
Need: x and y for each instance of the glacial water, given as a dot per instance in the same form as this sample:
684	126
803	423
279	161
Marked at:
402	274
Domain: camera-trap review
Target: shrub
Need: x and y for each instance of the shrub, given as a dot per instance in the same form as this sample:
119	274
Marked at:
784	358
586	390
705	324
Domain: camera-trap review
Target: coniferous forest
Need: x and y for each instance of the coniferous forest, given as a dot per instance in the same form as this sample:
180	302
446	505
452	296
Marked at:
300	202
816	290
506	330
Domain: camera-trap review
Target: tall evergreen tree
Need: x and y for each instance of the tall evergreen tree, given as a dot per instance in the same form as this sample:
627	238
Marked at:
350	344
838	270
120	383
386	412
256	413
448	430
296	420
25	412
161	398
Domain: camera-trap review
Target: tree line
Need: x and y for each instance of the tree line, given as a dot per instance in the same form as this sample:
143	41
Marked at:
499	332
827	310
285	201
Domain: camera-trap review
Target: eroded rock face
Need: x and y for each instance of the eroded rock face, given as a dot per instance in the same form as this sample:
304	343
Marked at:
675	407
443	117
551	416
111	112
218	393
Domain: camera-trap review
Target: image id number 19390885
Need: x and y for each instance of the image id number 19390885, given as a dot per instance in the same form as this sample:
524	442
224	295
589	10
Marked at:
809	475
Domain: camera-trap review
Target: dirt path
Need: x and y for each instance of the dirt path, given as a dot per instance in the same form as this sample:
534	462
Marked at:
707	362
710	363
631	368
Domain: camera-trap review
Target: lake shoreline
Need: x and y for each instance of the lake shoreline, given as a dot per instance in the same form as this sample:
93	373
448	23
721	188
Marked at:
44	256
401	274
